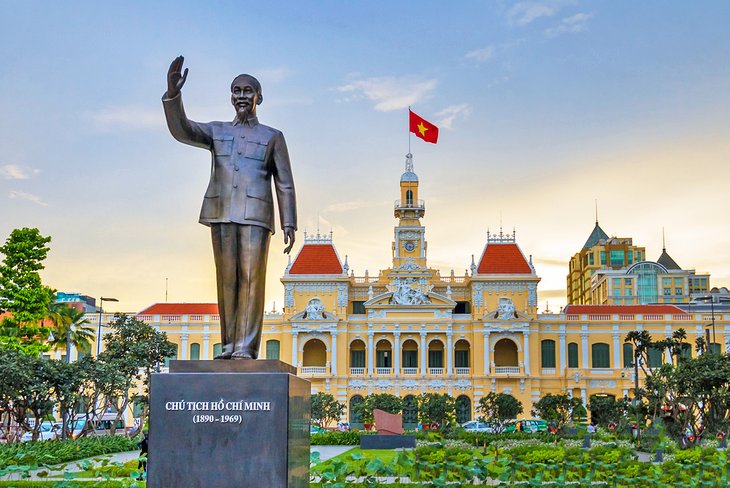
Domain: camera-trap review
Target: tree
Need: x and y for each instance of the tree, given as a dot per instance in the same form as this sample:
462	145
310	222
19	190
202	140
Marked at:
68	326
607	410
499	409
382	401
135	349
22	294
557	410
437	409
325	409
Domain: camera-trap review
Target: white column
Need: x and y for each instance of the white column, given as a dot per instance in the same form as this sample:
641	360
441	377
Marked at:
726	339
396	353
184	346
206	342
562	353
700	333
526	351
295	349
333	353
371	353
584	347
449	353
617	351
486	353
424	349
584	397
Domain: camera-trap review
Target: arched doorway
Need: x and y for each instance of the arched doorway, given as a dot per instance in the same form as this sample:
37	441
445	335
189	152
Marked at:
461	357
505	357
410	412
355	417
463	409
410	357
314	357
383	357
357	357
436	357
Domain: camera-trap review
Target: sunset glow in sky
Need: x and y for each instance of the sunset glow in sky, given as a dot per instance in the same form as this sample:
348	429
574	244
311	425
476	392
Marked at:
544	108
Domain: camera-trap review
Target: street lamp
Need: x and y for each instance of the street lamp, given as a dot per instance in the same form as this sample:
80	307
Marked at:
637	357
712	309
101	310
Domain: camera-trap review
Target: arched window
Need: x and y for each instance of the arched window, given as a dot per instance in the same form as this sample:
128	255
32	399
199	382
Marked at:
463	409
547	353
357	356
195	351
410	354
436	354
383	354
409	197
628	355
600	355
355	417
461	354
655	357
572	355
273	348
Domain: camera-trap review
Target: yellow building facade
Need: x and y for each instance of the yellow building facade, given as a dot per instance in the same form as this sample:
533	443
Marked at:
409	330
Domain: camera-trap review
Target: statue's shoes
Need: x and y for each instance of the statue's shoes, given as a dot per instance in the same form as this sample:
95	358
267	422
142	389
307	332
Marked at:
242	355
225	355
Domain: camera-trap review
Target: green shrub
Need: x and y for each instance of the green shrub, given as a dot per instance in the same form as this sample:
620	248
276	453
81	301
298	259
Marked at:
337	438
61	451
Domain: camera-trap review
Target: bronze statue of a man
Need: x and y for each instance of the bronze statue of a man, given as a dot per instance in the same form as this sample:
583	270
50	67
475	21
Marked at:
238	205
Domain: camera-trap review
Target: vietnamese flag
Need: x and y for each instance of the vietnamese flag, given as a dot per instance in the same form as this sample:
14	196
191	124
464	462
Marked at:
423	128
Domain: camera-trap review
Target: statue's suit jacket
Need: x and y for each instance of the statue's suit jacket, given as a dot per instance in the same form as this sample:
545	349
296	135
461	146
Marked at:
245	158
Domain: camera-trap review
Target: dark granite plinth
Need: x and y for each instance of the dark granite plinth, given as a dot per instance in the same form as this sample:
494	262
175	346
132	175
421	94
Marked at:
232	366
228	429
387	441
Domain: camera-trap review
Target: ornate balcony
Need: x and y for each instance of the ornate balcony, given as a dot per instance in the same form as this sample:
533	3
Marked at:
357	371
314	370
409	370
383	370
462	370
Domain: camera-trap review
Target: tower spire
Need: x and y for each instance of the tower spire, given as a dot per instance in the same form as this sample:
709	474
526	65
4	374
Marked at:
664	244
409	163
596	202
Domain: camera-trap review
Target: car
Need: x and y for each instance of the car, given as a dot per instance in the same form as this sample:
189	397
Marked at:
103	426
477	426
531	425
49	431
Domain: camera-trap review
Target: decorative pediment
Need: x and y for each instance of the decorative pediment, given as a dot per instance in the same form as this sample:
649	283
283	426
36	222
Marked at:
431	300
315	315
505	312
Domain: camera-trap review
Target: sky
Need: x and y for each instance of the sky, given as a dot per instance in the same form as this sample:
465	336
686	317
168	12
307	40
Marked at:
547	110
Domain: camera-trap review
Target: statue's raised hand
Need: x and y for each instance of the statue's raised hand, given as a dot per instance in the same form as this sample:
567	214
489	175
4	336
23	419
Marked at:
175	77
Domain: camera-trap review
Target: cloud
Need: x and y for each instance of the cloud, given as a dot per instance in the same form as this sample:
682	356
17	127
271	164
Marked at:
15	172
134	118
389	92
450	114
575	23
524	13
480	55
20	195
551	262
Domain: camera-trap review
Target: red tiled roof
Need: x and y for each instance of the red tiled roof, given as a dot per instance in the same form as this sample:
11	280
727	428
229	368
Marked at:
180	309
622	309
316	259
503	259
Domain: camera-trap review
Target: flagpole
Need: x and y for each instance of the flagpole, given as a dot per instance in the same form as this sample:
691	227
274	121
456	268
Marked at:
409	129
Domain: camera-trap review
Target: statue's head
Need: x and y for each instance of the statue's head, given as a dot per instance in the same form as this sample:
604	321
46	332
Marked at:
245	95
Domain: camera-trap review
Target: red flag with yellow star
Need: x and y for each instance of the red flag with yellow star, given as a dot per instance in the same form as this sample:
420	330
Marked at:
423	128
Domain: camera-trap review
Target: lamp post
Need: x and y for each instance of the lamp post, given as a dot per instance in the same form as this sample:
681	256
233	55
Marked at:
636	394
712	310
101	310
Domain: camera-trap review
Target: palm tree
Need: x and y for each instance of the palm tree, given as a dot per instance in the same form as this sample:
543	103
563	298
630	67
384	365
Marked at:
68	325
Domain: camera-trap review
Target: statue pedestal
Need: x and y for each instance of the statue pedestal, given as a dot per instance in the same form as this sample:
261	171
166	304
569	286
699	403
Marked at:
229	423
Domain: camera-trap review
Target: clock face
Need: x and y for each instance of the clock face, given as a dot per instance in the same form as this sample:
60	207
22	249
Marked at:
410	246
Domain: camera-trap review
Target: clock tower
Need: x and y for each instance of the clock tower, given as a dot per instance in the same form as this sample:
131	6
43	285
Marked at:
409	247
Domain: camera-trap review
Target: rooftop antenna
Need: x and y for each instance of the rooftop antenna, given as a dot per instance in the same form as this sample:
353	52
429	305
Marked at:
165	290
664	244
596	201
